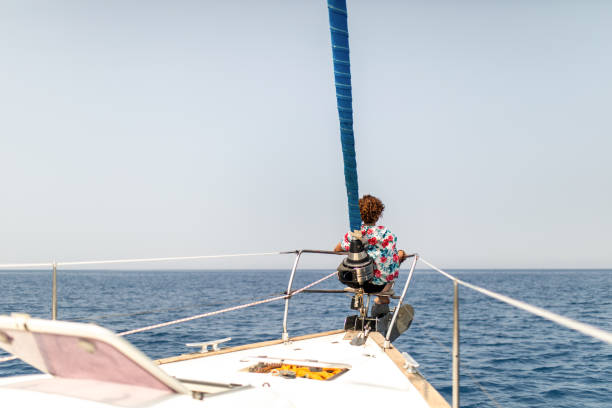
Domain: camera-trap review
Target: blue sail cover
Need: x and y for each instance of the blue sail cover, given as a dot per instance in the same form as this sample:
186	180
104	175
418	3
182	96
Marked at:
338	26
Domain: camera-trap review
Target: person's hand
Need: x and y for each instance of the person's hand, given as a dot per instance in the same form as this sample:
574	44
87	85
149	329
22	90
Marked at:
402	255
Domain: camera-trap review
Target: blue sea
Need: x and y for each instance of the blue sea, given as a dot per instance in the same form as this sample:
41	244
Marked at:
509	358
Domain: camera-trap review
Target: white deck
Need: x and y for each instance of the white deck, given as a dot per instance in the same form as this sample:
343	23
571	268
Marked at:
373	378
44	391
88	366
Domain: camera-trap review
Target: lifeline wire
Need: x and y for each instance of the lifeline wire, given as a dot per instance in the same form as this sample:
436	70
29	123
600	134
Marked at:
229	309
96	319
583	328
116	261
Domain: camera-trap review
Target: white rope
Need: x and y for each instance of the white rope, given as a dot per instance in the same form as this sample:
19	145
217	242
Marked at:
229	309
26	265
116	261
538	311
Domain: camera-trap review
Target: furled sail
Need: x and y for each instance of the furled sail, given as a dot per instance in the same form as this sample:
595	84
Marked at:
338	26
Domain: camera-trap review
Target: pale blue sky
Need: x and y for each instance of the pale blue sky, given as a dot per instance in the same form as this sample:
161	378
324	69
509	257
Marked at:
142	129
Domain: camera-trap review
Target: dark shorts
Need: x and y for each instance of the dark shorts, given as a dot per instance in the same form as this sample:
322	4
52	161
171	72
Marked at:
372	288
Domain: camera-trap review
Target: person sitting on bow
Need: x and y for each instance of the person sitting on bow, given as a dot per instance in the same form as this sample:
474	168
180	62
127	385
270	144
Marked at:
381	246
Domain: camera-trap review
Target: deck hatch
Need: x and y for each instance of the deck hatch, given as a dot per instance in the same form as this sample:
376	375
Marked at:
297	371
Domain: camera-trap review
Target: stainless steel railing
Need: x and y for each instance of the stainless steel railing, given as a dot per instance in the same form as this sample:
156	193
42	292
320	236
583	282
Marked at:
387	343
285	334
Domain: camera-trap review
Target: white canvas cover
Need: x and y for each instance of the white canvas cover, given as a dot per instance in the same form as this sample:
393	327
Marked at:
81	351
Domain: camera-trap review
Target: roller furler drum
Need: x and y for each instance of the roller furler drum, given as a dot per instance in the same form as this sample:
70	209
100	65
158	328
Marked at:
356	274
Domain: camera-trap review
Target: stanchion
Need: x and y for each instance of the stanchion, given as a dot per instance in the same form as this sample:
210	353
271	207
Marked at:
456	346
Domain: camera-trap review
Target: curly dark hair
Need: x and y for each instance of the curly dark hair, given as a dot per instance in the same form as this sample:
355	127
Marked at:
371	209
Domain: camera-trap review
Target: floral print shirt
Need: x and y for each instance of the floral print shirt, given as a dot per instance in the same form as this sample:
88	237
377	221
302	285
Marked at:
380	244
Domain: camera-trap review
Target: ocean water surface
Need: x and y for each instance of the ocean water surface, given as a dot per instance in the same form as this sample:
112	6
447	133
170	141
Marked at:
519	360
